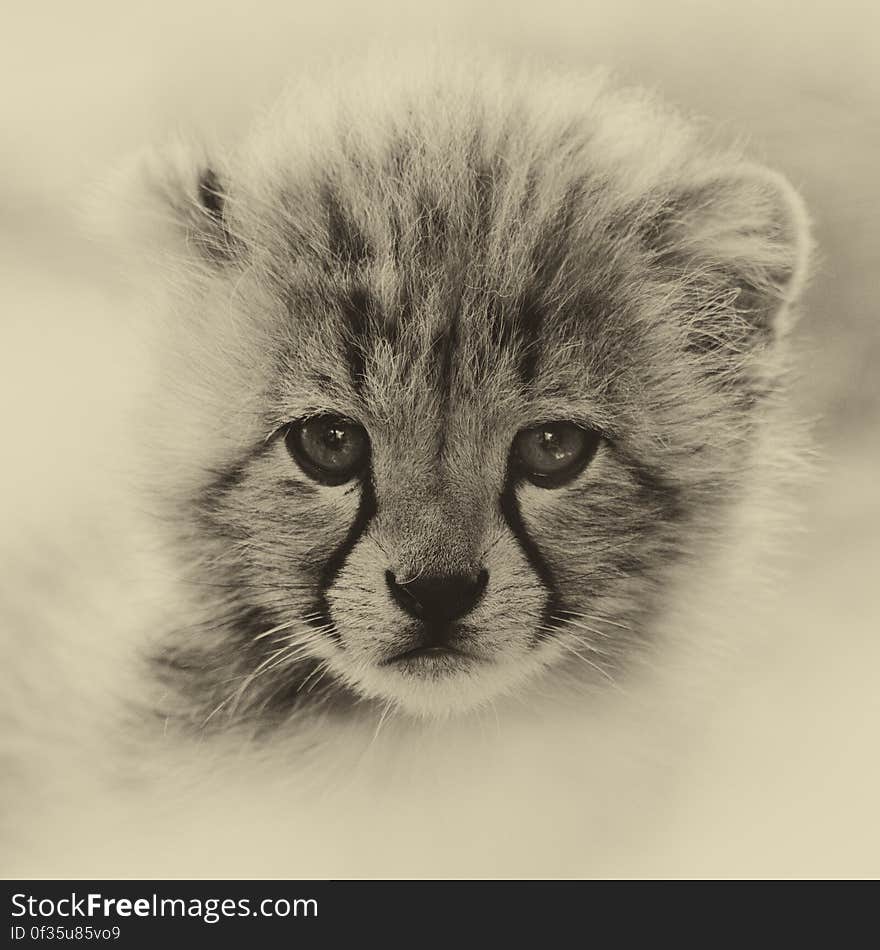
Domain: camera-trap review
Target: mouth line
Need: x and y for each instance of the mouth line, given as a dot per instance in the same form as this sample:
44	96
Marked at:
429	654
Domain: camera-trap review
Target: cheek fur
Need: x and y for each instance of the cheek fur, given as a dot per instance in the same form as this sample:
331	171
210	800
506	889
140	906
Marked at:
603	536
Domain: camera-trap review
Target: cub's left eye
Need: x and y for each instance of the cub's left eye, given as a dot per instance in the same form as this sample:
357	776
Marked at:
554	453
329	448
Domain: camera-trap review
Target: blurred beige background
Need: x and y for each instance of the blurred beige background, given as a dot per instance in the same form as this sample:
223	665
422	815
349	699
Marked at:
788	780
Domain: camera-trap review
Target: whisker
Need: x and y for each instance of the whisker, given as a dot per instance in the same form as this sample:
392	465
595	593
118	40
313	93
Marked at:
324	672
281	626
598	619
589	662
262	668
585	643
381	722
321	667
414	577
583	626
308	634
214	712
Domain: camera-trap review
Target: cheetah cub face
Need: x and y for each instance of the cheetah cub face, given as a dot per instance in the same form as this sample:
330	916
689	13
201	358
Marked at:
459	379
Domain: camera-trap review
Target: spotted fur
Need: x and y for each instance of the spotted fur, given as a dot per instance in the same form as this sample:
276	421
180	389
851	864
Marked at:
449	258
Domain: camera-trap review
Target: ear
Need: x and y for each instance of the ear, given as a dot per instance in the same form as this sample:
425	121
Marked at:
740	239
164	204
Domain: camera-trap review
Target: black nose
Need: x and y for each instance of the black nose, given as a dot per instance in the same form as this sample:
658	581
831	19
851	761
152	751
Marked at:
438	598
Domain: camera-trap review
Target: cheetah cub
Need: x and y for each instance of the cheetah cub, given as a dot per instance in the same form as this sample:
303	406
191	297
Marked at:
469	379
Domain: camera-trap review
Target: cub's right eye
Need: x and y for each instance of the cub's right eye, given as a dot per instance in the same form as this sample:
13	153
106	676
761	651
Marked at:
554	453
329	448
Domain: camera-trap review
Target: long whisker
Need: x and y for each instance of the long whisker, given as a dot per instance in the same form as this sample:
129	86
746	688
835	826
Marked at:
289	653
316	635
589	645
281	626
604	638
583	626
381	722
596	618
566	645
320	670
589	662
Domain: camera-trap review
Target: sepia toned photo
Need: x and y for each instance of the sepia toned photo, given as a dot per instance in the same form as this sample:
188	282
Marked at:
441	441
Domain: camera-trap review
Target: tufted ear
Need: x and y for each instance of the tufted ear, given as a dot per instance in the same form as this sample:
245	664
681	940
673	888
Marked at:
740	238
164	203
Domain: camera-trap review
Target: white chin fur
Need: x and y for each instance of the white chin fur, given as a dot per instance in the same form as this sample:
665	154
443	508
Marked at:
444	689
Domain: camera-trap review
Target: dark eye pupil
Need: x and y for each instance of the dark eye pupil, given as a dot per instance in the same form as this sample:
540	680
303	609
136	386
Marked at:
552	445
334	436
329	449
552	454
